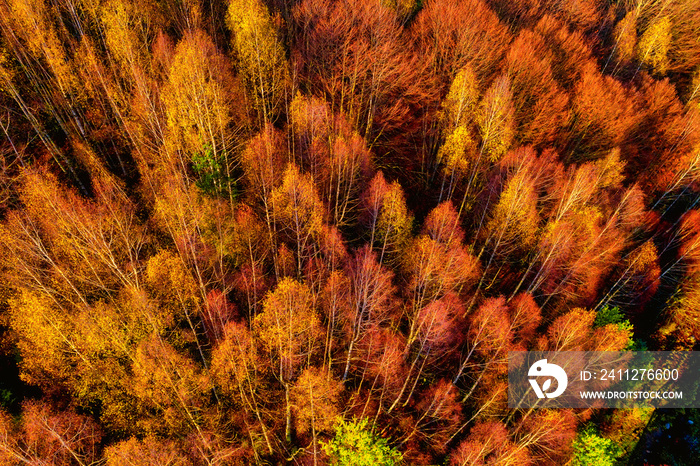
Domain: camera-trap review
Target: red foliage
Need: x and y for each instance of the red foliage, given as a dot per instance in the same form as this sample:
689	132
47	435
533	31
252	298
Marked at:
541	106
443	225
605	113
453	34
525	316
440	327
48	436
488	443
217	312
351	52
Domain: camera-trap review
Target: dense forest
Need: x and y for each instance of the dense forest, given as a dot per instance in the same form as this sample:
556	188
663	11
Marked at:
310	231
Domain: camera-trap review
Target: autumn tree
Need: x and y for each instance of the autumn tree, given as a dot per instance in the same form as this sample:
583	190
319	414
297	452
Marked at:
439	262
387	216
352	54
458	154
238	370
259	56
653	46
680	329
540	105
315	398
450	31
45	435
495	119
488	443
334	154
489	336
604	113
372	299
289	330
147	452
197	100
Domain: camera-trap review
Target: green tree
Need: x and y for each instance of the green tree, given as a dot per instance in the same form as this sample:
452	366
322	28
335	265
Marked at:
592	449
355	445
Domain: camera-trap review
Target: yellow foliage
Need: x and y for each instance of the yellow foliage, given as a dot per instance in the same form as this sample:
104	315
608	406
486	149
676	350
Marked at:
171	282
610	170
625	426
654	46
288	325
457	152
296	205
90	245
43	342
196	104
693	93
234	359
260	55
644	257
612	337
683	326
515	218
33	23
169	382
126	31
147	452
6	73
460	103
395	222
495	118
403	8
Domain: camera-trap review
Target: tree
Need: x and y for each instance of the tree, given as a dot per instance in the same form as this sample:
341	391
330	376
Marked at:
653	46
147	452
171	384
197	99
547	434
259	56
489	336
495	119
590	448
289	330
680	329
354	445
540	105
48	436
387	216
439	415
488	443
455	34
298	210
336	156
238	368
435	269
315	398
351	53
459	105
625	35
459	153
604	114
514	220
577	331
263	162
